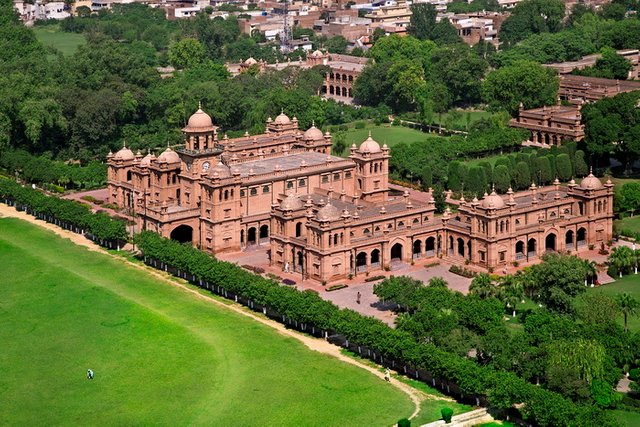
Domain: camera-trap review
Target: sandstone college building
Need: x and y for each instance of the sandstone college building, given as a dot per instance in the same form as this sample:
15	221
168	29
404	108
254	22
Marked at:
328	217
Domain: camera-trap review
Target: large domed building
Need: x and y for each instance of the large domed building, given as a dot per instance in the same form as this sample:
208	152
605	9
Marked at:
327	217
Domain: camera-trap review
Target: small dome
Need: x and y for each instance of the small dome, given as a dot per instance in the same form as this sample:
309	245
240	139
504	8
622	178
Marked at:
313	134
328	213
124	154
250	61
493	201
282	119
316	54
370	146
200	120
291	202
221	169
169	156
589	183
146	160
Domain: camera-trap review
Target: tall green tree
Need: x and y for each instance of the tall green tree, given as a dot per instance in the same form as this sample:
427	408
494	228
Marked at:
532	17
524	82
628	306
501	178
422	21
186	53
563	167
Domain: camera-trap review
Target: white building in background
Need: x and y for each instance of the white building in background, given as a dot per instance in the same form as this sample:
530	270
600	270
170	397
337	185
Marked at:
40	10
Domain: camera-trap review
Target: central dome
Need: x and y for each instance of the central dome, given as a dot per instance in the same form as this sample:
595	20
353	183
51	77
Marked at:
221	169
282	119
370	145
328	213
313	134
589	183
291	203
493	201
169	156
124	154
200	120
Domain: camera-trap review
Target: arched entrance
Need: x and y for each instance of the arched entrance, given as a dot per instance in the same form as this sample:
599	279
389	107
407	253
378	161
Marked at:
582	236
460	247
430	246
396	252
568	240
300	262
417	248
242	237
450	245
251	236
182	234
550	242
264	232
531	248
519	250
361	261
375	257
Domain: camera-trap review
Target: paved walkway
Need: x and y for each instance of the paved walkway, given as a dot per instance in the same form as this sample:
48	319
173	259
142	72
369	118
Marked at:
369	305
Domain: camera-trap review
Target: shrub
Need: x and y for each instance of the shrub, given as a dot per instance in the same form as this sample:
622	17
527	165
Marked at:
336	287
404	423
432	264
289	282
447	413
634	374
373	278
461	271
360	125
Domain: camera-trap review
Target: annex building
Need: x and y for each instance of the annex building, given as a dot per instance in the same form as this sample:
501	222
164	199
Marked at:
328	217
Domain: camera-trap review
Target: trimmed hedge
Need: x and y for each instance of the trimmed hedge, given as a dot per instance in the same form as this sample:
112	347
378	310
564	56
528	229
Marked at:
68	214
370	337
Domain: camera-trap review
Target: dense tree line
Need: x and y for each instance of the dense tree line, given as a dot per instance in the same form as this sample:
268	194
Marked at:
612	127
572	345
42	170
504	389
437	164
70	213
81	106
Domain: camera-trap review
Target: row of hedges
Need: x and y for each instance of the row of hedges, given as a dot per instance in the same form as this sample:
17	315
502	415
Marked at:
370	337
52	174
68	214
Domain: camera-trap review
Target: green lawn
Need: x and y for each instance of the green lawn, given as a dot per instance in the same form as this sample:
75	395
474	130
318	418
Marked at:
460	122
629	284
161	356
51	36
631	223
627	418
384	134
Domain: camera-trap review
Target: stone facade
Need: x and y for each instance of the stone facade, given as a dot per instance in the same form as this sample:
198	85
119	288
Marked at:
329	217
551	125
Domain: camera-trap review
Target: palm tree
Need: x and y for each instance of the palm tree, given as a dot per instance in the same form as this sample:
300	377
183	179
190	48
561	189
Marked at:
591	271
511	292
622	258
628	306
482	286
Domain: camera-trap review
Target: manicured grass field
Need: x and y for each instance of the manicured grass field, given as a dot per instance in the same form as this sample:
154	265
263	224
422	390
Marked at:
51	36
161	356
460	122
631	223
629	284
627	418
385	134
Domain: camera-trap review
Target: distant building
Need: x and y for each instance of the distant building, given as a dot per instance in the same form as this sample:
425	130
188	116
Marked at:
580	89
551	125
631	55
339	80
40	10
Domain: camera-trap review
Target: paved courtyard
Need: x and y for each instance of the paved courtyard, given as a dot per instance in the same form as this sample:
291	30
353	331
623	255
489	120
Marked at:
369	304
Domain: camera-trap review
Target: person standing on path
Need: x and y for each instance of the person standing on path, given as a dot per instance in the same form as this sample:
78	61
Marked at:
89	374
358	295
387	375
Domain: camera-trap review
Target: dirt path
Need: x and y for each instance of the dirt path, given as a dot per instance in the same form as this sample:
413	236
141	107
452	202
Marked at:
315	344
